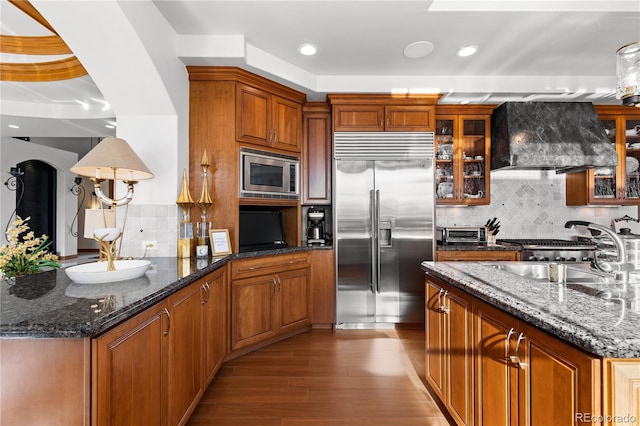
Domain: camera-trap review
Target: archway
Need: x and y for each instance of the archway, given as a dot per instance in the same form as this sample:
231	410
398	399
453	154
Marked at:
39	199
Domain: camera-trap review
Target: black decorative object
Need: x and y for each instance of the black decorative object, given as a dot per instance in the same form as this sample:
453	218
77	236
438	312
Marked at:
14	183
76	190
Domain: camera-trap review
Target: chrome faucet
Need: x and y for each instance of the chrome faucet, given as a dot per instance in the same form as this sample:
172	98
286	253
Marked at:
620	266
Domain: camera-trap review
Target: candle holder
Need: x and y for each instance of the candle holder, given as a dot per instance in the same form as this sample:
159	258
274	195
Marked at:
204	201
186	244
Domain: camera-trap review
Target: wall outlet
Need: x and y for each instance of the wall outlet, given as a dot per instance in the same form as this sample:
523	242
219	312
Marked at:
149	247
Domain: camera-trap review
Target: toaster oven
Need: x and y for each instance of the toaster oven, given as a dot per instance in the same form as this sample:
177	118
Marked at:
461	235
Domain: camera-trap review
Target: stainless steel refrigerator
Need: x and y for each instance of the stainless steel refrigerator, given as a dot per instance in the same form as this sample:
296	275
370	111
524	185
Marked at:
383	212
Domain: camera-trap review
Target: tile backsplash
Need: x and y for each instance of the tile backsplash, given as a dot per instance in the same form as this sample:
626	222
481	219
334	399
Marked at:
157	223
530	204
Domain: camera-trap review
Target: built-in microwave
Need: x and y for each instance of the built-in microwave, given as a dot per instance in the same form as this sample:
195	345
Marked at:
268	175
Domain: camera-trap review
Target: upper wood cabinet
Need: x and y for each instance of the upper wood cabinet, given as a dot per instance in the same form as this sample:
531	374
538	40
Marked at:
462	150
316	153
267	119
228	108
612	186
380	113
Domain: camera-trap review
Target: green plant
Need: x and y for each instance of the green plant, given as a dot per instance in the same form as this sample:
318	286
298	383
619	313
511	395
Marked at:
25	254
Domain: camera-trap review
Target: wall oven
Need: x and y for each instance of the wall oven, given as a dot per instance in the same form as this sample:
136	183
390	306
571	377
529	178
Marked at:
268	175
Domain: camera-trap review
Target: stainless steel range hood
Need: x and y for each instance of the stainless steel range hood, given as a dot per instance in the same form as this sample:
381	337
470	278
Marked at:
561	136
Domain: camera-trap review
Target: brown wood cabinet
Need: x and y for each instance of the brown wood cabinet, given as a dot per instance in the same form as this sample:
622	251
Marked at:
316	154
476	255
267	119
153	368
380	113
611	186
270	298
323	284
449	350
463	151
185	353
524	376
214	324
130	371
229	108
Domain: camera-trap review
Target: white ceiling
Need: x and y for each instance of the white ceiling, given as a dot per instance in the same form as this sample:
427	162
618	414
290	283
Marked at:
528	50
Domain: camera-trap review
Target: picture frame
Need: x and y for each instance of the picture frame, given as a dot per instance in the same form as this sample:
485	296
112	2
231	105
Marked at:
220	242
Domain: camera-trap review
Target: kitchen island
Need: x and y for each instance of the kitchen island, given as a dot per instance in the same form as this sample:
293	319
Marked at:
140	351
503	348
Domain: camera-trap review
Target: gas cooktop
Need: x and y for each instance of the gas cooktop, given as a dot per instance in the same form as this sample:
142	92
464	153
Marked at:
532	243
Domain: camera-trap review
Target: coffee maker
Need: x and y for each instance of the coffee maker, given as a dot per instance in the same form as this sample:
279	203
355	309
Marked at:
315	226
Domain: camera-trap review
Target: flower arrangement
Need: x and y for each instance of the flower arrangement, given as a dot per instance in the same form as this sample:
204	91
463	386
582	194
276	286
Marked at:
25	254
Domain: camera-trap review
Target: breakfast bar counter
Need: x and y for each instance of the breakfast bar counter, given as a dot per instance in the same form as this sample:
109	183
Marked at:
50	305
587	315
516	348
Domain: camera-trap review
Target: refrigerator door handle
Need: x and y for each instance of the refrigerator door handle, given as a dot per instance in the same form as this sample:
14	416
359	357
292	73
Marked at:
377	241
374	260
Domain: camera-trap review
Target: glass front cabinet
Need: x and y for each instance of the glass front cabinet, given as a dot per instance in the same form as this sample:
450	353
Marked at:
618	185
462	153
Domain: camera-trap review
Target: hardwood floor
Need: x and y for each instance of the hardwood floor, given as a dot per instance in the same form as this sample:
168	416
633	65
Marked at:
325	377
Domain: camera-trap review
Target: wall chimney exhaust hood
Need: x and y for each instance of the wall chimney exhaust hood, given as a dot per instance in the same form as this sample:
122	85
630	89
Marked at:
561	136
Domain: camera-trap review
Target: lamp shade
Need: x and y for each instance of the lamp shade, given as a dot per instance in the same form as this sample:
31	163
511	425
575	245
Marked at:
112	158
97	219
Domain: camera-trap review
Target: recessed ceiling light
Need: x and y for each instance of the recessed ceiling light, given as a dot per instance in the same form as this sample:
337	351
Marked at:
13	126
467	50
307	49
109	126
418	49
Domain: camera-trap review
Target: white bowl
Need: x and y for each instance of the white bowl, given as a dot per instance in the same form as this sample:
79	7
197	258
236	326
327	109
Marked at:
96	272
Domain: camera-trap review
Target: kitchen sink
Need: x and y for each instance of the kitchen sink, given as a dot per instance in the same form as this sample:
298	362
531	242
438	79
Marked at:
576	272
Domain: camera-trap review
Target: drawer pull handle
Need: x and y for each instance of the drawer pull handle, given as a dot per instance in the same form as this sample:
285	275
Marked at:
521	364
511	358
166	312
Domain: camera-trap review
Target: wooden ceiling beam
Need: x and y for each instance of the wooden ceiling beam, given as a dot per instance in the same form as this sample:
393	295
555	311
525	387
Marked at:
33	45
62	69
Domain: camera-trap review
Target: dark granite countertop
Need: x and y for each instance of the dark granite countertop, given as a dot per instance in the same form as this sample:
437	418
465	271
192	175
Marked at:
49	304
476	247
571	312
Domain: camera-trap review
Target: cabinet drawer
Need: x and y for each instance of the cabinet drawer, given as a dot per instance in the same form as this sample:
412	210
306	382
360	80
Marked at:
476	255
254	267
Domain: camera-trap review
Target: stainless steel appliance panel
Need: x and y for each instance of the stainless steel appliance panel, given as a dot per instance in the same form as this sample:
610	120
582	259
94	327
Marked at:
404	237
354	242
384	229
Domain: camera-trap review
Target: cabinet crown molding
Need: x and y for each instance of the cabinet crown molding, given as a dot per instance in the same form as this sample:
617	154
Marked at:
383	99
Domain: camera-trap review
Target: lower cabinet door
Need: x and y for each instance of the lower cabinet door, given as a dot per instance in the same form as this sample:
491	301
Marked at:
252	311
294	299
459	356
214	324
495	377
129	371
434	339
185	377
557	382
